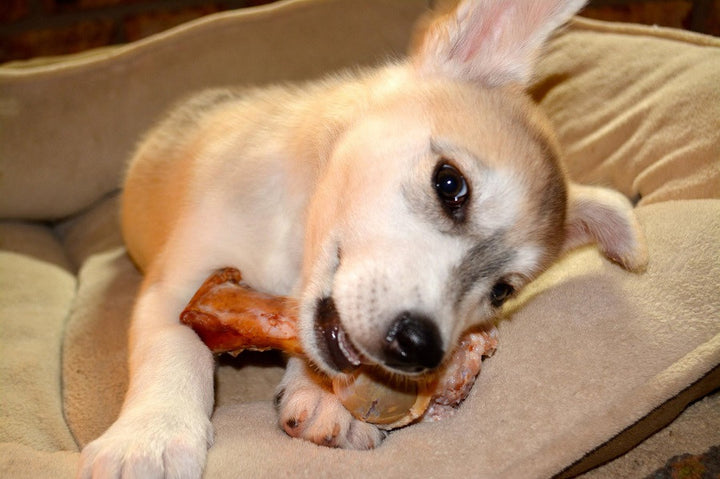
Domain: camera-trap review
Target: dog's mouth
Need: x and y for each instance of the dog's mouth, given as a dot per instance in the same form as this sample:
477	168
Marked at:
334	344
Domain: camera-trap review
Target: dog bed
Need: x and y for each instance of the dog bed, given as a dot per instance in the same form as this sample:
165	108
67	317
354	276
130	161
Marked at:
593	361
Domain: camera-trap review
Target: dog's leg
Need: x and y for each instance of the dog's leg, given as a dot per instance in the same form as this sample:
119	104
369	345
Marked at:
164	428
309	410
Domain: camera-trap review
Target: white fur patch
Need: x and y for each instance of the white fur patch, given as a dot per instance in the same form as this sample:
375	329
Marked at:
498	201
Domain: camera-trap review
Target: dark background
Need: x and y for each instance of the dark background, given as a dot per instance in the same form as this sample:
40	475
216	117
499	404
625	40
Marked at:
32	28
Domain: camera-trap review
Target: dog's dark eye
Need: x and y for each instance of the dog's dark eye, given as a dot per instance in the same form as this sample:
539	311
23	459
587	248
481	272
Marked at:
500	293
451	187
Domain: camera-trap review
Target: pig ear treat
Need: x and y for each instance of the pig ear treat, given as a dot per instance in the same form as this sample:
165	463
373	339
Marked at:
230	317
387	402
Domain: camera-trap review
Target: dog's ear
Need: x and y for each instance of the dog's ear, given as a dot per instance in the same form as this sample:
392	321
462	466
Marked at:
494	42
605	217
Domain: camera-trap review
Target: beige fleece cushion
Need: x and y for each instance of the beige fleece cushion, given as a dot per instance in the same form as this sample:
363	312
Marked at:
37	287
636	108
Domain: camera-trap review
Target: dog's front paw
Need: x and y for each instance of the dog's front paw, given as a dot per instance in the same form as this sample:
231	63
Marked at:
308	409
151	445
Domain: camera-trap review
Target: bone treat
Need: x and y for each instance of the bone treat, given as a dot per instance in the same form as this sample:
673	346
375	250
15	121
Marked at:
229	316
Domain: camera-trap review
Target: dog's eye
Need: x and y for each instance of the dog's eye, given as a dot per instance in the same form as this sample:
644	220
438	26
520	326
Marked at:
451	187
500	293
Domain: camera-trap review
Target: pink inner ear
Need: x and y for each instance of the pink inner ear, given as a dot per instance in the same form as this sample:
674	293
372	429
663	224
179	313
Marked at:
491	41
480	29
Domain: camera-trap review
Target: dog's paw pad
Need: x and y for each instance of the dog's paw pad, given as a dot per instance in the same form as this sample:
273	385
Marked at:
309	412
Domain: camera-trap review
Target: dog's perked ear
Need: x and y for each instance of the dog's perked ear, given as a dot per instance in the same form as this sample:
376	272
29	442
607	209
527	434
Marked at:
606	218
494	42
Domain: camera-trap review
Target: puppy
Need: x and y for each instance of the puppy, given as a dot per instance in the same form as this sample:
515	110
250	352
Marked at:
401	205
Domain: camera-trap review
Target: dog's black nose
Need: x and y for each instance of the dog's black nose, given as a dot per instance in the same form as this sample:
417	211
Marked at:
413	344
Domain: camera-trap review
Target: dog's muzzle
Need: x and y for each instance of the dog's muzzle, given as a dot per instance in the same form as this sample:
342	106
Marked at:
412	344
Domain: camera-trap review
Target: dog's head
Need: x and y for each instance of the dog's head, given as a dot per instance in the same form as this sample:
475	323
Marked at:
446	197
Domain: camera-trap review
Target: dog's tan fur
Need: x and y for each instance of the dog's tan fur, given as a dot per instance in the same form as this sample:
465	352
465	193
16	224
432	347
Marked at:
325	191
